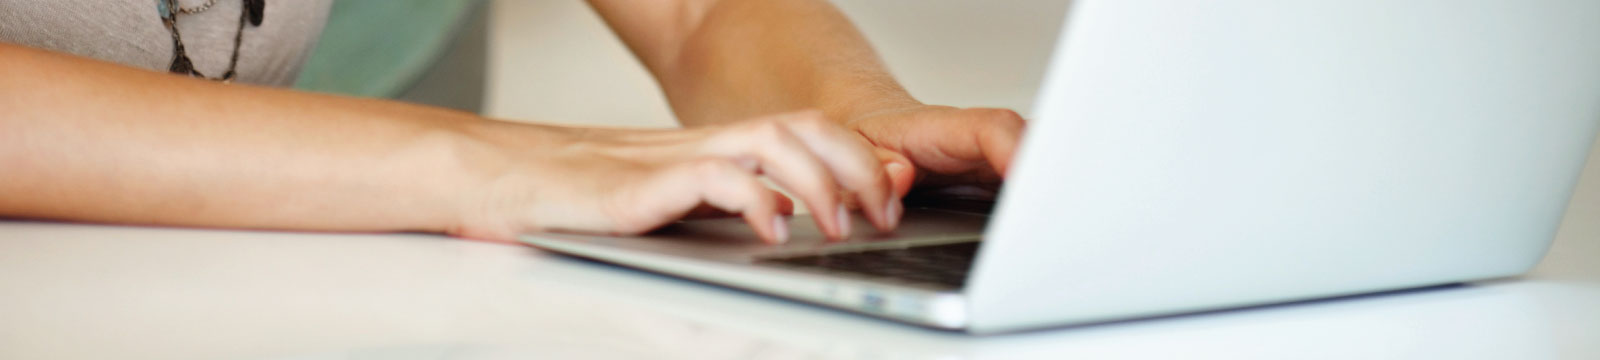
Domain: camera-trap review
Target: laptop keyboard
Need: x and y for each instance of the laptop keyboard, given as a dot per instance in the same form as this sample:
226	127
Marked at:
943	265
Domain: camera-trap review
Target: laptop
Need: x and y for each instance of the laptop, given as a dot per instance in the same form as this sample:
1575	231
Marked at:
1191	156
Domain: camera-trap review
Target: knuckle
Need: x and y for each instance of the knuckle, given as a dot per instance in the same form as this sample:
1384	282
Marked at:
767	130
711	167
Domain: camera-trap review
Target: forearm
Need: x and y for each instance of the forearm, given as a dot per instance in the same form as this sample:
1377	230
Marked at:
738	58
88	141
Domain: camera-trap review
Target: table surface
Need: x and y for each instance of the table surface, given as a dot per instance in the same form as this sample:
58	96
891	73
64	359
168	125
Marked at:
93	291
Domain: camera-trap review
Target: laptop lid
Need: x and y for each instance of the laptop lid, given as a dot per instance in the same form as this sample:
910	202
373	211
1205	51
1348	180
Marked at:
1188	156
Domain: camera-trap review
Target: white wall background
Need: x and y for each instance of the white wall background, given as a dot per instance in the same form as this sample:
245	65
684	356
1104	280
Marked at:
555	61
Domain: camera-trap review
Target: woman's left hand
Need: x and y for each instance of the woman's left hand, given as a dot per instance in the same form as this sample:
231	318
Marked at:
617	181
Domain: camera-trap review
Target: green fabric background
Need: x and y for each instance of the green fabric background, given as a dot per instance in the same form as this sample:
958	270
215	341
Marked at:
378	48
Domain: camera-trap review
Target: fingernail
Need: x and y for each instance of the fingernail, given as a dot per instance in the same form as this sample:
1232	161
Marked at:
893	211
844	222
894	168
780	229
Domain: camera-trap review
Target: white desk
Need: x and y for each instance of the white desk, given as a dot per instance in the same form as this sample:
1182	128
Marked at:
95	292
90	292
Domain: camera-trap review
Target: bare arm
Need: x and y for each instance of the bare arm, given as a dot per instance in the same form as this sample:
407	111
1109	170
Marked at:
724	60
84	140
90	141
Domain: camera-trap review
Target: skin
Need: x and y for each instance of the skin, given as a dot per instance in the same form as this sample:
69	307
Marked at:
811	57
83	140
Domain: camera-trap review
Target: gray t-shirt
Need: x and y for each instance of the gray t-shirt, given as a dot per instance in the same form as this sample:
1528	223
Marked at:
130	32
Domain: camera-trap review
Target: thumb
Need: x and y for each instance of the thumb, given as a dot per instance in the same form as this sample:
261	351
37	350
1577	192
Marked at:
901	172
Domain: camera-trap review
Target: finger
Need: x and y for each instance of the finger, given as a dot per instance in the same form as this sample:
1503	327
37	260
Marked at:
899	168
999	138
726	186
851	160
902	174
705	211
787	161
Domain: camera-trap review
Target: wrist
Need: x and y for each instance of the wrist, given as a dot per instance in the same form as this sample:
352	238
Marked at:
862	108
496	165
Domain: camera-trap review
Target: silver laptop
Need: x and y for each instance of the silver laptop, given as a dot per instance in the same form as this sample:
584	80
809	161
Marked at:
1188	156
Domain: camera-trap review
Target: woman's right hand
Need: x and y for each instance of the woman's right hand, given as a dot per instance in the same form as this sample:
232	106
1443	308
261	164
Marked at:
633	181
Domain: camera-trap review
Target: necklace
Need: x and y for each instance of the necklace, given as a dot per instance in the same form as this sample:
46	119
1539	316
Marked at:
198	9
252	12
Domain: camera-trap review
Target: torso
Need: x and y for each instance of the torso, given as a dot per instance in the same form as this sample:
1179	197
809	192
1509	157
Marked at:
130	32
